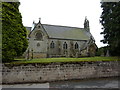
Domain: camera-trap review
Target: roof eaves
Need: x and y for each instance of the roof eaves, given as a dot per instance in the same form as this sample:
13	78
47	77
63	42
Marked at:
68	39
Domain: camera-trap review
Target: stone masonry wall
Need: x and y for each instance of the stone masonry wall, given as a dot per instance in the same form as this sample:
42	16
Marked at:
58	71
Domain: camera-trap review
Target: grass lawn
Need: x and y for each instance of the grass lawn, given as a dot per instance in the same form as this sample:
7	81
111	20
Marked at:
49	60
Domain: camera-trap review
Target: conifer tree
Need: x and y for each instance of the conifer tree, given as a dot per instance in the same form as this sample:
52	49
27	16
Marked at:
110	19
14	41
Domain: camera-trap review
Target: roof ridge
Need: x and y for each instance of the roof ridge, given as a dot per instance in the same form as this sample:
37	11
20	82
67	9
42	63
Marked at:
63	26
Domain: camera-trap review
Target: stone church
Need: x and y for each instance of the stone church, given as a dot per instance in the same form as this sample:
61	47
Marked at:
59	41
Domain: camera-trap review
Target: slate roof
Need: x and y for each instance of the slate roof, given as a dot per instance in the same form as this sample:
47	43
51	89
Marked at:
66	32
28	28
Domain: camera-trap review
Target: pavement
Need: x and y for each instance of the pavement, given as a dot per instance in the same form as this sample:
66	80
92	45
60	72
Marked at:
41	85
97	83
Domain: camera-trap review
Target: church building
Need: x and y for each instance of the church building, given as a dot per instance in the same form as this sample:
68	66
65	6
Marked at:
46	41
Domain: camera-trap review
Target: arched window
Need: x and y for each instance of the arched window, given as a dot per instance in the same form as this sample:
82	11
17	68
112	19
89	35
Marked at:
52	45
65	45
76	45
38	36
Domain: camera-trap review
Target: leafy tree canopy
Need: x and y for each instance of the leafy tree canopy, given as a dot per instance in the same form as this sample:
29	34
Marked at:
110	19
14	41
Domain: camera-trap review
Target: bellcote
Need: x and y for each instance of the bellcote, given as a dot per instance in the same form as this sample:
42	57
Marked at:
34	24
86	24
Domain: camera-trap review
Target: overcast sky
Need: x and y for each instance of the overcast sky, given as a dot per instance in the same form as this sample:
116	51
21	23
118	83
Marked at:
64	12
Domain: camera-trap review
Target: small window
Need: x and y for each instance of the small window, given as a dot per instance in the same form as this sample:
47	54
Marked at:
38	44
65	45
52	45
76	46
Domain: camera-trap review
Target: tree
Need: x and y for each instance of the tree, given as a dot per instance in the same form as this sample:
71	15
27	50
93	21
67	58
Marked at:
14	41
110	19
102	51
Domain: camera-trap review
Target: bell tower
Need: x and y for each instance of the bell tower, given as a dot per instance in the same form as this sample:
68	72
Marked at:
86	24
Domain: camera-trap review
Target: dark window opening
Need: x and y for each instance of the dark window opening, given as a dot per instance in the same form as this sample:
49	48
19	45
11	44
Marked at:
76	46
52	45
38	44
38	26
65	45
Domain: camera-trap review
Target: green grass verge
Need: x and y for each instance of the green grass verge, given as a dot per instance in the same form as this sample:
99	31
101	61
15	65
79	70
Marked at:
50	60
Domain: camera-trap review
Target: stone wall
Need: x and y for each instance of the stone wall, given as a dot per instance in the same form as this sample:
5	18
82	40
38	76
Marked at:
58	71
38	55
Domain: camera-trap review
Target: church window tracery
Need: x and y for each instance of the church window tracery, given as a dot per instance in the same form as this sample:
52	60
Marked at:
38	36
52	45
65	45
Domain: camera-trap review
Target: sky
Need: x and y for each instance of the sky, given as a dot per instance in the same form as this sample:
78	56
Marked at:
64	12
